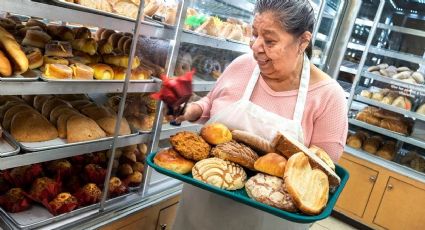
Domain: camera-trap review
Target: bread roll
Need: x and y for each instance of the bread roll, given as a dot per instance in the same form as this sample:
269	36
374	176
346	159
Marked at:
366	93
395	126
216	133
270	190
272	164
402	102
171	160
119	73
323	155
58	71
50	104
8	115
36	38
29	99
35	57
368	118
151	8
121	42
190	145
34	22
62	122
286	145
61	33
39	101
121	60
57	111
7	106
235	152
257	143
387	151
102	72
309	188
58	49
114	39
82	32
140	74
356	140
104	47
96	112
55	60
371	145
86	45
106	33
5	66
127	46
80	128
13	50
108	125
219	173
82	72
78	104
29	126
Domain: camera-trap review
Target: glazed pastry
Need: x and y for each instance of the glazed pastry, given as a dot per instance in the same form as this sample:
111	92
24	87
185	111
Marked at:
402	102
114	39
219	173
121	60
368	118
82	32
270	190
272	164
121	42
171	160
257	143
140	74
86	45
105	47
13	51
5	66
58	71
395	126
35	57
58	49
103	72
418	77
235	152
36	38
366	93
62	203
61	33
190	145
309	188
82	72
216	133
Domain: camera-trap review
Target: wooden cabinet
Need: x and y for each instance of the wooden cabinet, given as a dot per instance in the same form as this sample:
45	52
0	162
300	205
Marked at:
402	206
357	191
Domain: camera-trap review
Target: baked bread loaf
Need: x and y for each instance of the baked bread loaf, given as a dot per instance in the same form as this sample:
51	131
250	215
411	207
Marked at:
121	60
114	39
86	45
287	146
272	164
82	72
30	126
190	145
237	153
39	101
55	60
127	9
220	173
57	111
108	125
171	160
102	72
50	104
35	57
61	33
58	49
104	47
62	122
13	51
395	126
323	156
119	72
105	34
58	71
96	112
356	140
216	133
257	143
270	190
82	32
387	151
81	128
34	22
8	115
36	38
5	66
309	188
372	144
402	102
368	118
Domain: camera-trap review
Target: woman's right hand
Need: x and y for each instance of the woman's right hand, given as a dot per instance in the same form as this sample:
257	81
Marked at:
192	113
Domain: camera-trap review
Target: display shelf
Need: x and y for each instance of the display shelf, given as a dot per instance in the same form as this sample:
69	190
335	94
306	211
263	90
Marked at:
388	133
63	152
397	55
242	5
200	85
403	30
363	22
218	43
405	85
391	165
168	130
53	12
355	46
41	87
349	67
390	107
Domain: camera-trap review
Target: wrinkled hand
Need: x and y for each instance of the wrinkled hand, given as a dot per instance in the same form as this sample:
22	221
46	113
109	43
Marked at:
192	113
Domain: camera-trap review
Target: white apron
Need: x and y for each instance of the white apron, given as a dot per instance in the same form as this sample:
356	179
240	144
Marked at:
203	210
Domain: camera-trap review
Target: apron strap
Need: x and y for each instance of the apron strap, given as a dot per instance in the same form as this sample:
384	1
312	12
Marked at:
302	91
251	84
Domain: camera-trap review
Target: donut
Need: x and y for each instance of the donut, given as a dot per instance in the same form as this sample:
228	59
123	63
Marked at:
216	66
204	65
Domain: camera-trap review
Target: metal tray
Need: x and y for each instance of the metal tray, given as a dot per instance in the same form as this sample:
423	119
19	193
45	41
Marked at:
203	35
44	78
150	19
59	142
241	196
38	215
8	146
236	41
30	75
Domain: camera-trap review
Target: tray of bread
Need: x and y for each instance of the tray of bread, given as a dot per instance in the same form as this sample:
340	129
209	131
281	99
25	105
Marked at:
8	146
268	176
40	122
30	75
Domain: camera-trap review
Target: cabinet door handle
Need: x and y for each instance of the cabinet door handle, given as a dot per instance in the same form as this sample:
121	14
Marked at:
163	226
390	187
372	179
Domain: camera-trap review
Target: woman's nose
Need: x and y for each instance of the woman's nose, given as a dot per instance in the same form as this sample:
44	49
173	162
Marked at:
256	45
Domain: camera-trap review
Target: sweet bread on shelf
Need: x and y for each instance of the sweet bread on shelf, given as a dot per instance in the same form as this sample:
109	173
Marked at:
356	140
7	24
270	190
81	128
418	77
58	49
151	7
61	33
104	47
255	142
121	42
39	101
96	112
82	32
78	104
35	57
171	160
402	102
13	51
121	60
10	113
368	118
114	39
236	33
366	93
128	9
372	144
50	104
82	72
421	109
57	111
418	164
62	121
190	145
395	126
140	74
108	125
86	45
220	173
235	152
5	66
30	126
55	60
57	71
387	151
102	72
378	96
272	164
95	4
36	38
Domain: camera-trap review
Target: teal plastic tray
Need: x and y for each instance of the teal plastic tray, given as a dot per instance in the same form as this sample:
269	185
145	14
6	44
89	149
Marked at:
241	196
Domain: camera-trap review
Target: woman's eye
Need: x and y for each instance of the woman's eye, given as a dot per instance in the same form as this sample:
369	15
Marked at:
268	42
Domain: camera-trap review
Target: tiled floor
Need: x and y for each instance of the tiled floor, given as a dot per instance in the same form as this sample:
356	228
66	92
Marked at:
331	224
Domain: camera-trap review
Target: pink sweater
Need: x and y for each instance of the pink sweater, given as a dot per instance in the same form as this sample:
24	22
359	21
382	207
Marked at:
325	116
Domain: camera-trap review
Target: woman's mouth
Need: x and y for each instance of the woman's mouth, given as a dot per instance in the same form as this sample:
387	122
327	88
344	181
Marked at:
263	61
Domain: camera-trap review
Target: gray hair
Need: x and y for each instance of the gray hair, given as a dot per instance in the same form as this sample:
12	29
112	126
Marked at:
295	16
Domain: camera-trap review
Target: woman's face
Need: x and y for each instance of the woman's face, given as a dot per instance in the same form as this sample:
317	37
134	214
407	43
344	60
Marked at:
276	51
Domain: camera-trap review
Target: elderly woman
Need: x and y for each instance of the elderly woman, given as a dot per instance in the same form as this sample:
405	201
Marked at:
278	84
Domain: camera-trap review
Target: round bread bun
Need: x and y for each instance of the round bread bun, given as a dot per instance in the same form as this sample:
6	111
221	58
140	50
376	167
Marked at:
6	98
15	19
7	106
39	101
8	116
121	42
216	133
33	22
82	32
35	57
114	38
57	111
62	121
106	34
5	66
50	104
98	34
36	38
171	160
